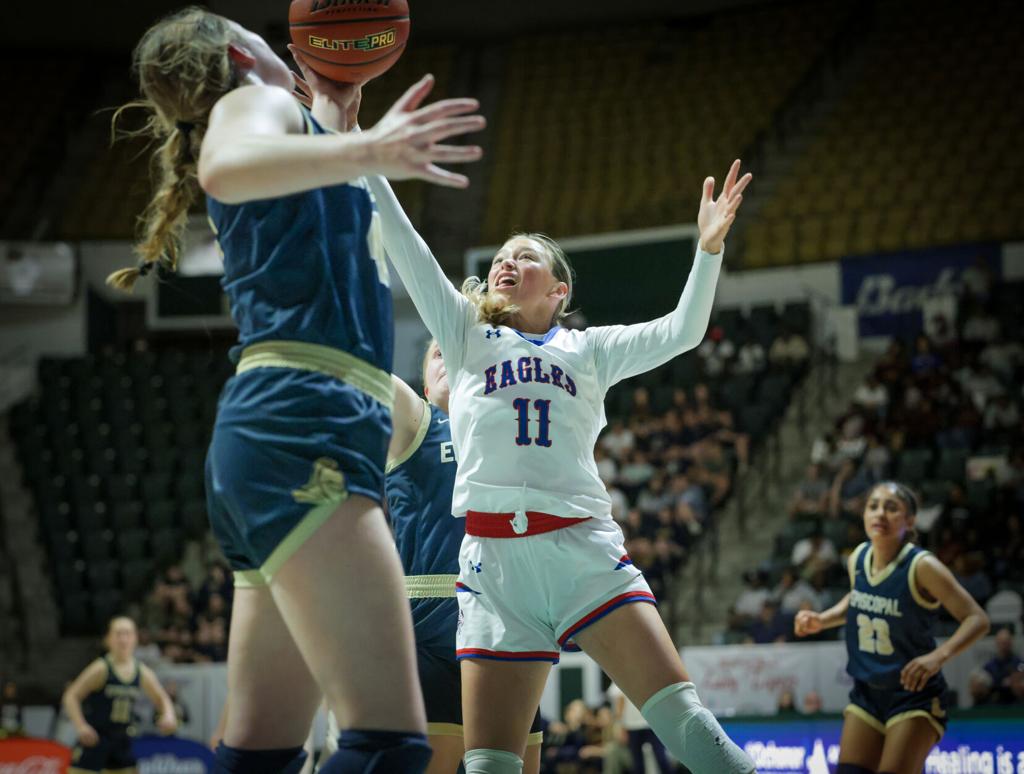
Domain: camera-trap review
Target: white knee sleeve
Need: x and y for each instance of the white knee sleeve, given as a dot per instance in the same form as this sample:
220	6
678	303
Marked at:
692	734
482	761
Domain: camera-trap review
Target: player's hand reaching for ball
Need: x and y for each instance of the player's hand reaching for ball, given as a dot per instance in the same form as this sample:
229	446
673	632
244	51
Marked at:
334	105
916	674
807	622
406	142
715	217
87	736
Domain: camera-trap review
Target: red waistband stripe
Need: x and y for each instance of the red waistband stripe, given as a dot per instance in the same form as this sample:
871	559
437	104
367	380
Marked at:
499	525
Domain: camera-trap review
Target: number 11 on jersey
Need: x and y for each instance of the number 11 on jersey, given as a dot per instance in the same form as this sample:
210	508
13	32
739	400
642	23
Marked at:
543	408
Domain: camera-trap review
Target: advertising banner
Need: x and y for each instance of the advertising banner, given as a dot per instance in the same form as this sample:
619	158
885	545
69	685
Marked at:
171	755
33	756
891	290
970	746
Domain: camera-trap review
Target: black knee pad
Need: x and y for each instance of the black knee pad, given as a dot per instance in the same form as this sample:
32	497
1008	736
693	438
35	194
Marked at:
852	768
379	752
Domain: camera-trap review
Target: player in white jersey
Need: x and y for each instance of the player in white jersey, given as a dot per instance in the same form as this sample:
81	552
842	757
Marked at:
543	566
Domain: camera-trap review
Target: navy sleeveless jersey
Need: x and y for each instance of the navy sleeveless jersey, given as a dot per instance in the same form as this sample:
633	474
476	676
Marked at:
308	267
428	537
889	621
112	708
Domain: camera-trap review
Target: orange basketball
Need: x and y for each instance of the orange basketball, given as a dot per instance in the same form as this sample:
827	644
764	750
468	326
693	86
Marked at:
350	41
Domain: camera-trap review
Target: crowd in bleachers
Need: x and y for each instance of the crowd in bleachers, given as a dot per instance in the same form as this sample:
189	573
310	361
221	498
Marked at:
182	622
940	413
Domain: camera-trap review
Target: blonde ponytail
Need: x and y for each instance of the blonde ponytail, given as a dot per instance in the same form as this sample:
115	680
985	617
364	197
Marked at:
183	68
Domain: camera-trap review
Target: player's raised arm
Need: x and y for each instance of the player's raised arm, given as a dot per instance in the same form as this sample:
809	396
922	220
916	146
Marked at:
255	146
445	311
622	351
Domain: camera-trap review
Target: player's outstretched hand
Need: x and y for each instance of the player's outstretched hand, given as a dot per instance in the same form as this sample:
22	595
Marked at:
807	622
916	674
334	105
405	142
87	736
715	217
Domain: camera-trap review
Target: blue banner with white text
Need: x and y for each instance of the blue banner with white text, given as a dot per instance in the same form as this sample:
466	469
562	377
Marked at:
890	290
171	755
811	746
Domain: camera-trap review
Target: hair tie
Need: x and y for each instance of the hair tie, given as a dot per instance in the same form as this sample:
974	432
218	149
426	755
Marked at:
144	268
184	126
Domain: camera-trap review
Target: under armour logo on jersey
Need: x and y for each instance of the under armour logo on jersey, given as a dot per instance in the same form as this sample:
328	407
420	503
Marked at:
476	567
493	332
624	561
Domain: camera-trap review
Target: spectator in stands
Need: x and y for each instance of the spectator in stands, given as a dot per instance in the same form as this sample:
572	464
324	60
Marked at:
770	626
667	559
852	442
638	732
1005	358
824	453
635	474
751	358
813	553
792	592
618	441
981	326
942	334
654	497
789	350
1002	419
1003	667
607	468
849	489
811	495
719	424
787	705
968	571
10	710
716	352
753	597
640	407
566	741
712	470
978	279
812	704
872	396
877	459
620	505
924	360
892	365
983	385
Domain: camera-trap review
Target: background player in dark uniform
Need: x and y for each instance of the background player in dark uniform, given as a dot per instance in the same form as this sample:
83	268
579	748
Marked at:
420	478
897	709
101	703
300	439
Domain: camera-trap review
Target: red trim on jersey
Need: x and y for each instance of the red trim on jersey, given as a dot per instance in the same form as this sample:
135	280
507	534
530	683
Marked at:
499	525
603	610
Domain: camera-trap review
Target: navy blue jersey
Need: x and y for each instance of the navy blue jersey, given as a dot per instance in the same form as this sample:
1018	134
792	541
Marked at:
419	488
308	267
112	708
889	621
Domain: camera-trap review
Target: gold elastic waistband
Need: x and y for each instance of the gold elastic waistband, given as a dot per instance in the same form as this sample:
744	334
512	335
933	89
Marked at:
430	586
326	360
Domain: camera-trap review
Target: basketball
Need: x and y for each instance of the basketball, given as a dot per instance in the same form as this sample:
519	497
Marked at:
350	42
